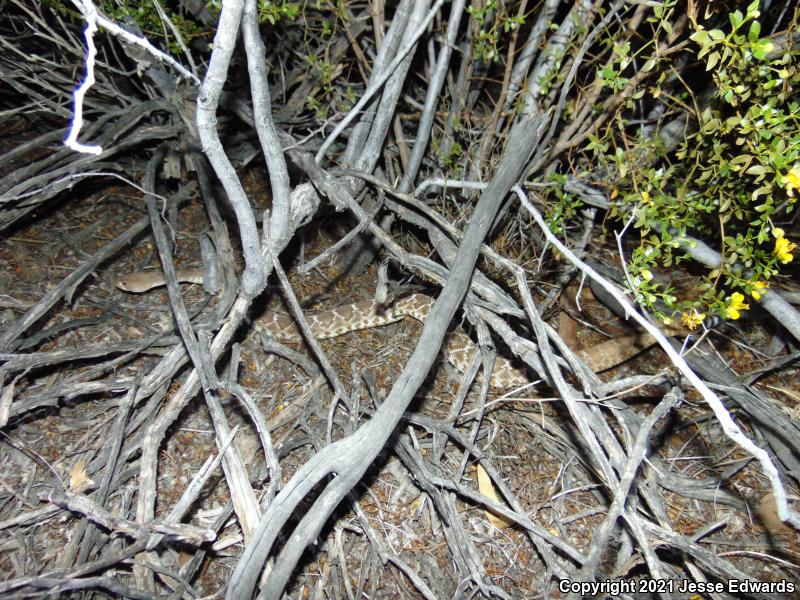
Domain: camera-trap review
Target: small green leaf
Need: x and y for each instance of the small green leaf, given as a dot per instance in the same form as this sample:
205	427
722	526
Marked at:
756	170
736	19
762	48
754	32
716	35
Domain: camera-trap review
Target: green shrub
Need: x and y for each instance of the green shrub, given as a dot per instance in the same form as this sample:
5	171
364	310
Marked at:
734	179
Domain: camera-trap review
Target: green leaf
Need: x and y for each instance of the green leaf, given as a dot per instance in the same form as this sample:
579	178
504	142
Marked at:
761	48
762	207
716	35
764	189
736	19
754	32
733	121
713	59
756	170
700	36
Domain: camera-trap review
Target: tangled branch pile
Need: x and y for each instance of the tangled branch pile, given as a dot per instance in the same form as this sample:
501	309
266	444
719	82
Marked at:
499	155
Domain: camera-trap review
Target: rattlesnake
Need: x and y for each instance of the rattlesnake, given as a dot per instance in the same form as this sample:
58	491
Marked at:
459	348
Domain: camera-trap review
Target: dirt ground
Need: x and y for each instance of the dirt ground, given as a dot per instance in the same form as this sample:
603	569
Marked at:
65	407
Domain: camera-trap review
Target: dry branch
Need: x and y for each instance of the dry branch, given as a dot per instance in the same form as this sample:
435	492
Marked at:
350	110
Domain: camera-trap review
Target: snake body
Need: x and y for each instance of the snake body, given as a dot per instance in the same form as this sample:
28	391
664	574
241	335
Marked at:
459	348
144	281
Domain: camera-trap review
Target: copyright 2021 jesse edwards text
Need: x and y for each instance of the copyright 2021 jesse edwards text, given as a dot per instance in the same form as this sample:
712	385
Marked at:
618	587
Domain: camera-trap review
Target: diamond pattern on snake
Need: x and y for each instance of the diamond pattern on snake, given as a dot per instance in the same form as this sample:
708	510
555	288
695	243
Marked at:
459	348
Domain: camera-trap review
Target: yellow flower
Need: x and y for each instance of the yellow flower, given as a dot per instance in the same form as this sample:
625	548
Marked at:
732	311
758	287
692	320
783	247
792	179
646	196
783	250
646	275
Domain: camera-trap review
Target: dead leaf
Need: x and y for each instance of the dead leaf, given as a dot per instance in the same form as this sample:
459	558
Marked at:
78	479
486	488
767	511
